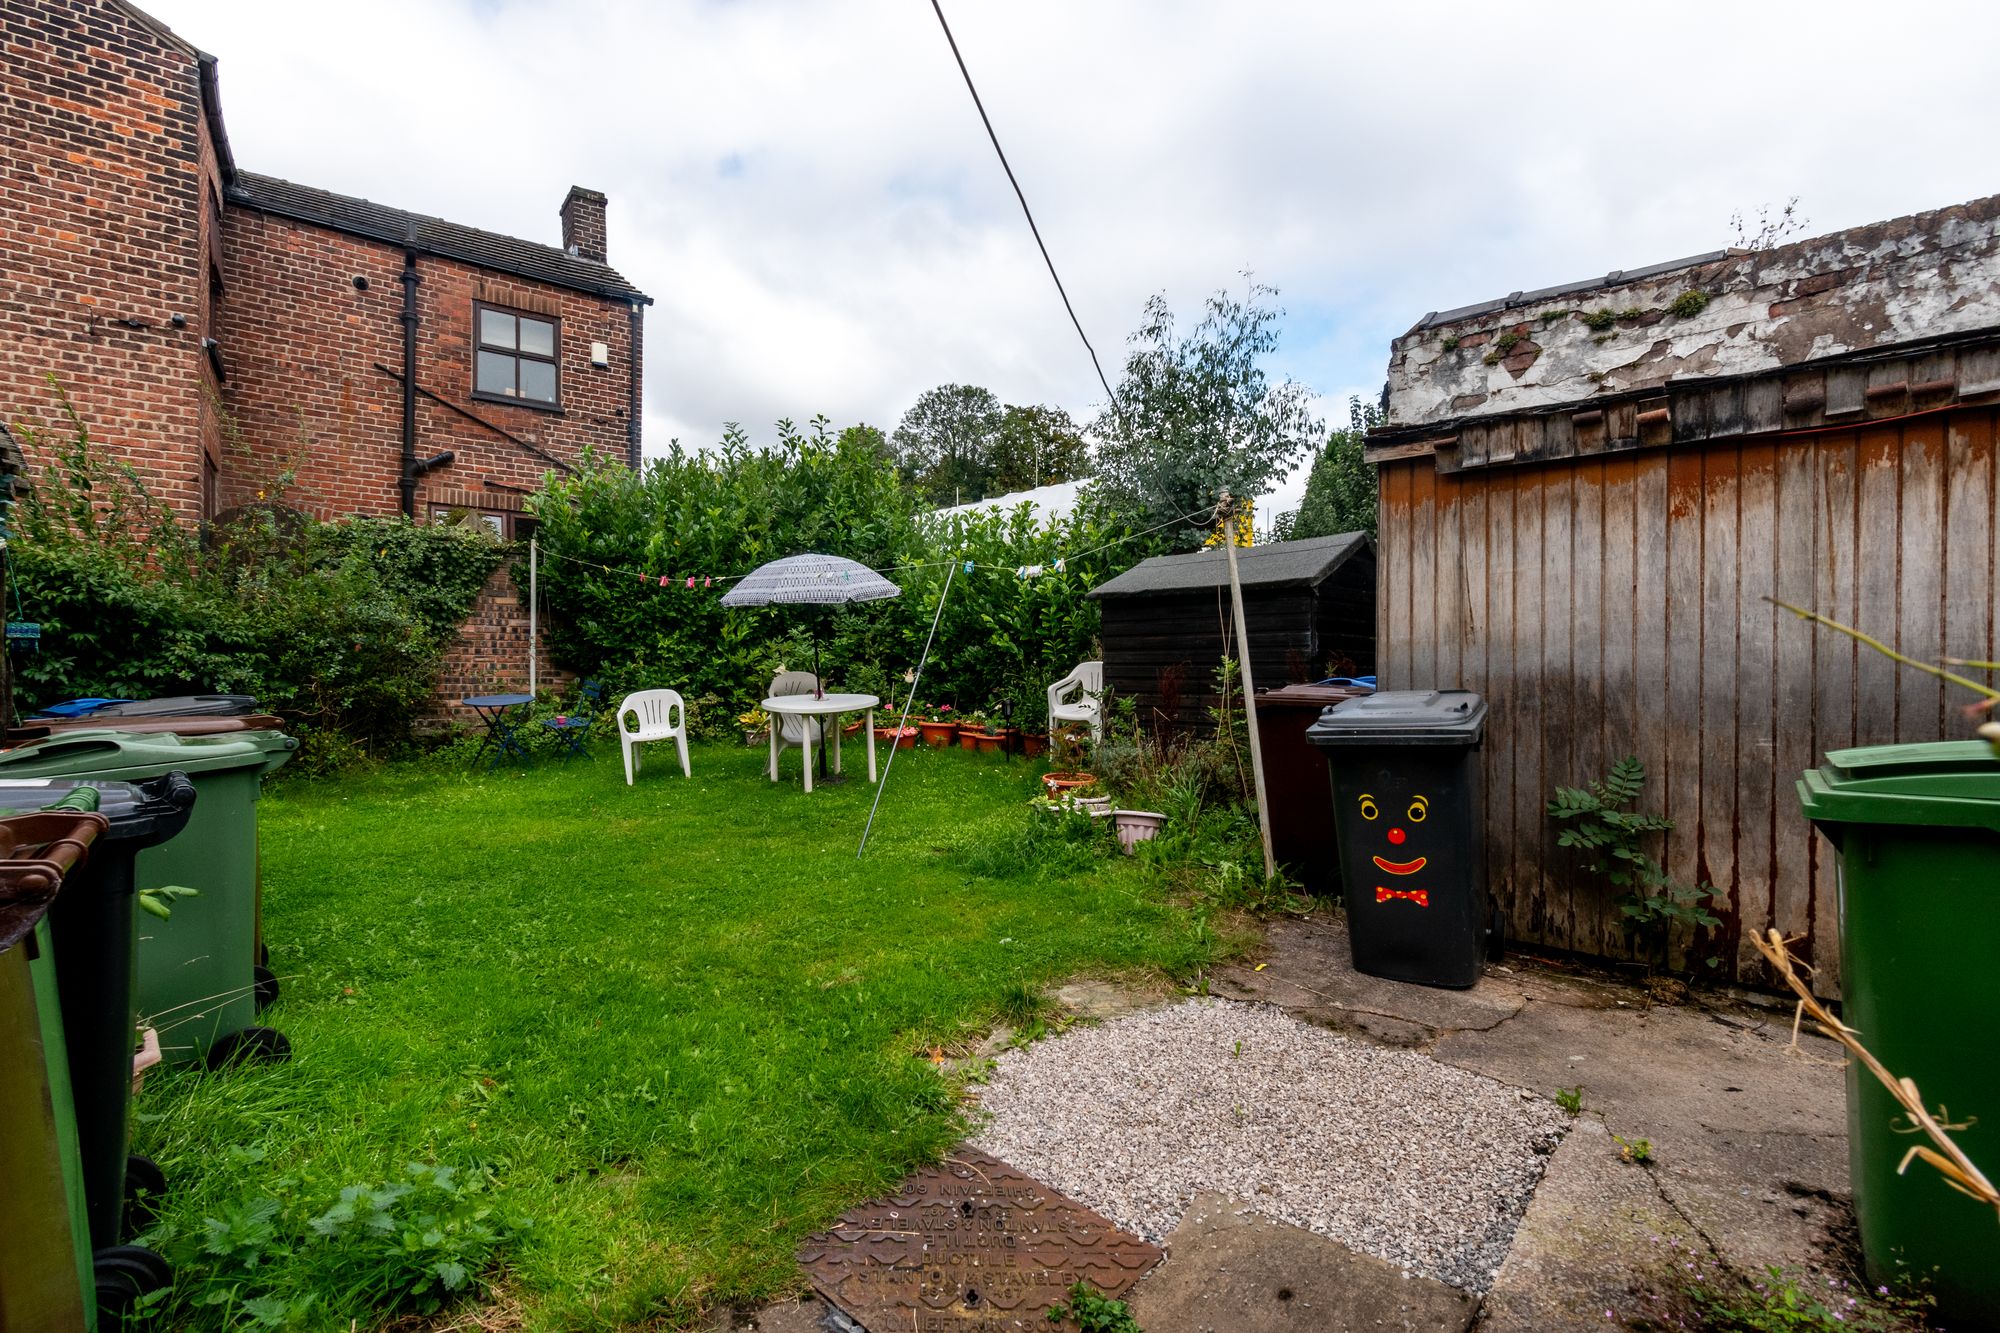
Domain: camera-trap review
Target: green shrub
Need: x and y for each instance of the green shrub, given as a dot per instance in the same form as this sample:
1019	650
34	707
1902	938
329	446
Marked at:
340	627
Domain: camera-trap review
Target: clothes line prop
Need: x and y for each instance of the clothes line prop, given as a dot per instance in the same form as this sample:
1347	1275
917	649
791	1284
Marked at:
908	699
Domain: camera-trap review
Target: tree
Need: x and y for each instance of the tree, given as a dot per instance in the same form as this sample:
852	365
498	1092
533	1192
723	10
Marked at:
944	445
1340	490
1037	446
1197	415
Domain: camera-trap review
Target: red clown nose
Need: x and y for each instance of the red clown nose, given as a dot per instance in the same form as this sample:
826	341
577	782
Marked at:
1396	836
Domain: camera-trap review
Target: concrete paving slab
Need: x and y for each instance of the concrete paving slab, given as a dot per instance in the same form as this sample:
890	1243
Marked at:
1232	1271
1597	1228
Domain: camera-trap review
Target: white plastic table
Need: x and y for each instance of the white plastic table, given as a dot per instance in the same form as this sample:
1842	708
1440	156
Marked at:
829	707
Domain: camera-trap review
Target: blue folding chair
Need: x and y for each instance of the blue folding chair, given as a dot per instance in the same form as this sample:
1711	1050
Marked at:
574	728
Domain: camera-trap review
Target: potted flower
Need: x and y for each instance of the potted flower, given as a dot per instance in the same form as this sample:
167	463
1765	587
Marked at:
970	728
939	725
903	738
1031	713
992	737
1067	764
1136	826
756	725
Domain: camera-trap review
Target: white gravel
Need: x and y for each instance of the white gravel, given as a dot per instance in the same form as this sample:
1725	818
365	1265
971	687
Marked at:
1388	1152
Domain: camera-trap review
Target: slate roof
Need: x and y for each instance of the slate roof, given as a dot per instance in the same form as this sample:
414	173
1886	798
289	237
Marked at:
360	217
1299	564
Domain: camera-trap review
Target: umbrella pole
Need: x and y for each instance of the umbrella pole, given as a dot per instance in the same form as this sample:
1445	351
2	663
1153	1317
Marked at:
819	692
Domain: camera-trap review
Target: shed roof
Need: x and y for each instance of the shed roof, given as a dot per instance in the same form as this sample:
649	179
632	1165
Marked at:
1300	564
379	222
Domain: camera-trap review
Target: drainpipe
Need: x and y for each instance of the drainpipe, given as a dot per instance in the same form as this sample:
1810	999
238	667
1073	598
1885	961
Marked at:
632	381
408	472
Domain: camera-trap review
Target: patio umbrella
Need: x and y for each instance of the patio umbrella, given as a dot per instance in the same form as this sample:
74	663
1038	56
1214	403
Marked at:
811	580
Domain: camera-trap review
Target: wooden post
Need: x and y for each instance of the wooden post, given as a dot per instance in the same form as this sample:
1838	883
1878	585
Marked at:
1249	689
534	626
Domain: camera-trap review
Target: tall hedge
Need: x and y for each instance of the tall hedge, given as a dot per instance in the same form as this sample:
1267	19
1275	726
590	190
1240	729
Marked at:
619	548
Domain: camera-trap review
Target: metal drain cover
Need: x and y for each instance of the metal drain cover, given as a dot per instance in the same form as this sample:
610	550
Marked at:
968	1246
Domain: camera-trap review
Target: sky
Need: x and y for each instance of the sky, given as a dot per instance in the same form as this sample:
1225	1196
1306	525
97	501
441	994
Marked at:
807	193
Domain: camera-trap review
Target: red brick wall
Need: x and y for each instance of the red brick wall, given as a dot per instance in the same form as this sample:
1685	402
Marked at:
491	655
100	170
303	345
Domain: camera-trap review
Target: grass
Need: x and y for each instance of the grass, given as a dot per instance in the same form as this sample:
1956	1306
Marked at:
680	1024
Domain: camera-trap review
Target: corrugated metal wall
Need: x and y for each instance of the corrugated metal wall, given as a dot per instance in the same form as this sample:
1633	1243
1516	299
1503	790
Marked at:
1614	604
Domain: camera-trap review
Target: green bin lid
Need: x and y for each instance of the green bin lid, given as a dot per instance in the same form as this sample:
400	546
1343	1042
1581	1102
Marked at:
1940	784
110	753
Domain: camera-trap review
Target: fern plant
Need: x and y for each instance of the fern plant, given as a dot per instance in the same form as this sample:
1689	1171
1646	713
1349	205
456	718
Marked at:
1600	823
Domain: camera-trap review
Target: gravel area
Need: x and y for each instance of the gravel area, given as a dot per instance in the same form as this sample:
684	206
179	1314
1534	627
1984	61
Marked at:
1387	1151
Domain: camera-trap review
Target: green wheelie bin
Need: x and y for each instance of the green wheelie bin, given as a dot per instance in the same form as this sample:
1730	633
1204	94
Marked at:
93	945
1918	832
46	1277
200	979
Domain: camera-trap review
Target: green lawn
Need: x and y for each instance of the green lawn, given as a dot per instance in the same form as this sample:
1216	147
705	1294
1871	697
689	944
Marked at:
679	1023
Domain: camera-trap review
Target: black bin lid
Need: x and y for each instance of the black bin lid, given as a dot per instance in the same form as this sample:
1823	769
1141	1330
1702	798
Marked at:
183	705
153	810
1403	717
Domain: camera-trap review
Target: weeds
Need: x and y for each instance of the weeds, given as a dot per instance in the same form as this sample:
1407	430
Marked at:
1636	1151
1570	1099
1094	1312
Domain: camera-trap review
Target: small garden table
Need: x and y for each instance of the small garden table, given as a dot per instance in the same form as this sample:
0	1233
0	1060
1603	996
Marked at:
496	711
827	707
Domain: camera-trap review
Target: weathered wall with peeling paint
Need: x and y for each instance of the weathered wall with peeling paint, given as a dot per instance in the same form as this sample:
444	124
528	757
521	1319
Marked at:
1923	277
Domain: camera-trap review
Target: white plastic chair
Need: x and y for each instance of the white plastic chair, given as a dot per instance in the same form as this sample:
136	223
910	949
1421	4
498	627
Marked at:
790	729
1088	683
659	715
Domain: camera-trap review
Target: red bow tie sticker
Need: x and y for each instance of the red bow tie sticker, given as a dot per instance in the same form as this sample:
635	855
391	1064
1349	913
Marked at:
1421	897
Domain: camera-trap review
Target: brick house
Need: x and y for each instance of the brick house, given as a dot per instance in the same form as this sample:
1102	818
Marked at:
236	337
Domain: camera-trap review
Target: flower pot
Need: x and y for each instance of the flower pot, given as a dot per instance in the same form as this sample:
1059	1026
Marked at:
903	738
1010	739
851	729
1136	826
1034	744
939	733
1097	807
1058	783
755	735
989	742
968	737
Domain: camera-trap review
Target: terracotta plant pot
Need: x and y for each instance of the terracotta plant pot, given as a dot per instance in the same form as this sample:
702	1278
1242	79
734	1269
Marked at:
1058	783
1010	739
968	737
1034	744
903	739
939	733
851	729
1136	826
989	742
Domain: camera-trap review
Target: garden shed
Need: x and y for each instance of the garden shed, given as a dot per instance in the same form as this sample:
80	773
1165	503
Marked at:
1309	606
1590	495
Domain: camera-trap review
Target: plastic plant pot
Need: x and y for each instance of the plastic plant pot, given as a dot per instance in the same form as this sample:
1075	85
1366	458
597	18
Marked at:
1917	828
201	975
1136	826
1406	806
46	1274
94	946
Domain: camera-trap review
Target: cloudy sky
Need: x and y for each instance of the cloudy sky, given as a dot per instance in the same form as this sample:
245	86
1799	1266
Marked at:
806	191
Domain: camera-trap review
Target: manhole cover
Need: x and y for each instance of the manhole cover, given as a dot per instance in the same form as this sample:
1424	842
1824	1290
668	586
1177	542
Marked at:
967	1246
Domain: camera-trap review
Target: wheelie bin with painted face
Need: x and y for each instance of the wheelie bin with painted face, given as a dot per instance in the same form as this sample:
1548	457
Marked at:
1407	813
200	980
94	947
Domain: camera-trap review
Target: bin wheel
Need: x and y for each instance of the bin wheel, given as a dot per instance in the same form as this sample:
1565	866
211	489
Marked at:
126	1273
263	1045
267	986
263	954
1496	936
145	1183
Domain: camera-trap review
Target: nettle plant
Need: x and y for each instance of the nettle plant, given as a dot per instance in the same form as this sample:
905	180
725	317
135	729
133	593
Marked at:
1600	823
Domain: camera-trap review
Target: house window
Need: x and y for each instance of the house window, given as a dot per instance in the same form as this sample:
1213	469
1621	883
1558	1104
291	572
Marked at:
503	526
515	356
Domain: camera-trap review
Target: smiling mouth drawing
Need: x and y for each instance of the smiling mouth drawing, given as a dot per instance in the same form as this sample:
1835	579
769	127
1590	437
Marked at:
1403	867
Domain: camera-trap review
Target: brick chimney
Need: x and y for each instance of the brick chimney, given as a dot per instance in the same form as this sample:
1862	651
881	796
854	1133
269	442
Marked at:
583	223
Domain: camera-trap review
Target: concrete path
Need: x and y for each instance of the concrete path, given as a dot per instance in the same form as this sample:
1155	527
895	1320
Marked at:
1748	1139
